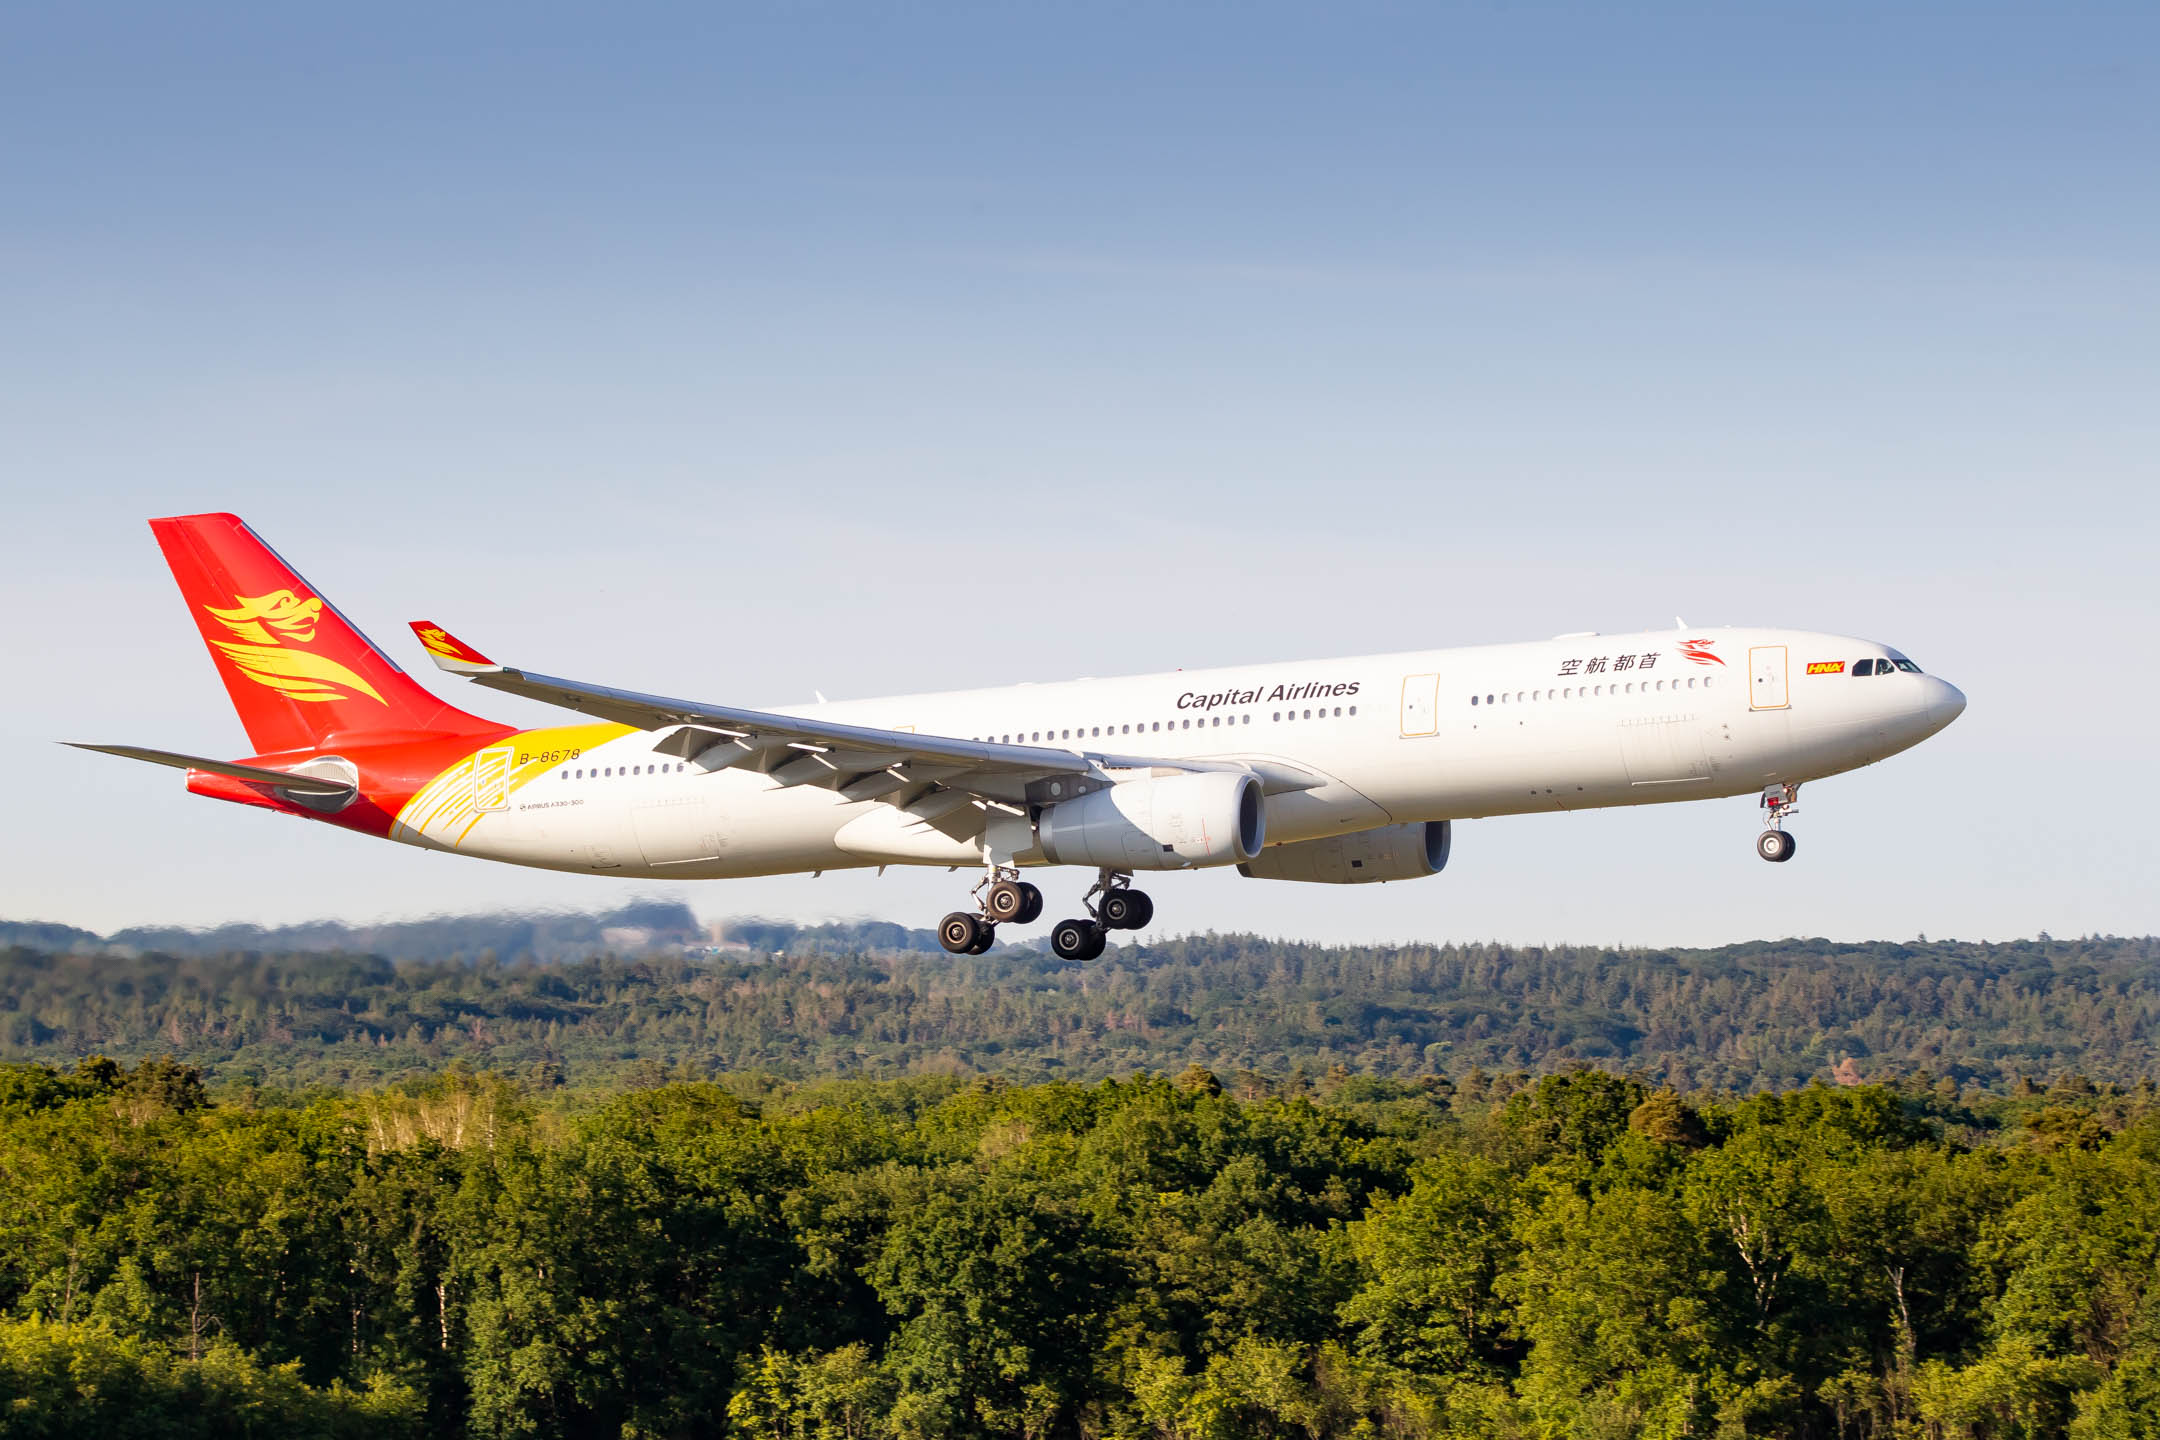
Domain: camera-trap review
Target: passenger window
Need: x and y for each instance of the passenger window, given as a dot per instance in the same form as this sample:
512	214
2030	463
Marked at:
1353	709
1473	699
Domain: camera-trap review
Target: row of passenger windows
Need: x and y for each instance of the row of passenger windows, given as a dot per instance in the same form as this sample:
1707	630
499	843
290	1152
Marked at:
1584	692
616	772
1204	722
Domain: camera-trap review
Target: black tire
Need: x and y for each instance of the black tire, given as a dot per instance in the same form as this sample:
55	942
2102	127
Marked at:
985	940
1032	911
1076	940
1127	909
1776	846
1098	940
959	931
1007	901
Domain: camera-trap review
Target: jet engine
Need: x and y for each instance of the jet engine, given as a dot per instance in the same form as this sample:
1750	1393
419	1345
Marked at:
1172	823
1392	852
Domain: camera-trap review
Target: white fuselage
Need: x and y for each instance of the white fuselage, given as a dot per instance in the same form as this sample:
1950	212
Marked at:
1564	724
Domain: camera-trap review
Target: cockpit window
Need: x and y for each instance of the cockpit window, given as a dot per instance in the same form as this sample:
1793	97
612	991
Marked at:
1907	666
1863	667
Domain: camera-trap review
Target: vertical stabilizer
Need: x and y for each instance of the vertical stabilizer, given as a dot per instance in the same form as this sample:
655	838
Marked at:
300	674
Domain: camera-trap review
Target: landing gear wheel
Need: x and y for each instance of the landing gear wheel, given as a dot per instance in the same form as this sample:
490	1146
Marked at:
985	940
1775	846
1077	940
1127	909
1032	911
1007	900
959	931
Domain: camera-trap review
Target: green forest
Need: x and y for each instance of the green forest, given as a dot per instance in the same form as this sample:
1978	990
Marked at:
491	1178
1582	1254
1737	1018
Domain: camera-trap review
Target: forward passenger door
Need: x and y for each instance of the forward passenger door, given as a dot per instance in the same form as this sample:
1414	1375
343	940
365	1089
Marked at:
1766	678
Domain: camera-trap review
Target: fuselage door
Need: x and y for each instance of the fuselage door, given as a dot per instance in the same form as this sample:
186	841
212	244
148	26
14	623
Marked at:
1421	705
491	777
1766	678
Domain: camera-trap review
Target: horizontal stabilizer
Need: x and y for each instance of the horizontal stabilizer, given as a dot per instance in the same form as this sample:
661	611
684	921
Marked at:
252	774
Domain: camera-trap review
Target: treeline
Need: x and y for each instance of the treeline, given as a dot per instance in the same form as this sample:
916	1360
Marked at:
642	927
1578	1255
1769	1014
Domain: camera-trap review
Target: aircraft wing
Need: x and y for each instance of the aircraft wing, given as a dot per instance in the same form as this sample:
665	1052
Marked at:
856	761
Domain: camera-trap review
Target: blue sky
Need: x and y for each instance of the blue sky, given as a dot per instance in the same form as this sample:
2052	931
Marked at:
741	353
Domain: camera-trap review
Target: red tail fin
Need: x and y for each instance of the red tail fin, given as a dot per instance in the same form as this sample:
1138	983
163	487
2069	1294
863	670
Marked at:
301	676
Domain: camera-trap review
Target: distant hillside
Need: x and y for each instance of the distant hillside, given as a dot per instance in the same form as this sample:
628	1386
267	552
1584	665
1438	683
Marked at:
640	928
814	1002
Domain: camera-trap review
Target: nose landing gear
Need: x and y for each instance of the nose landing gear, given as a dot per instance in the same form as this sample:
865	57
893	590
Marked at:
1774	844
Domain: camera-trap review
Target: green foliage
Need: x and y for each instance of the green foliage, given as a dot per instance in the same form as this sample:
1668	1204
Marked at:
1571	1256
65	1382
850	1002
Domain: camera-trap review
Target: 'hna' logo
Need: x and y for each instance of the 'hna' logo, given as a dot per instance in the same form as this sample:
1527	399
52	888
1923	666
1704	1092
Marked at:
1699	652
266	629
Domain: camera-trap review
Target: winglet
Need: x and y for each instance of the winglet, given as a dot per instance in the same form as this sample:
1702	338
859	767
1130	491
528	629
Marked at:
450	653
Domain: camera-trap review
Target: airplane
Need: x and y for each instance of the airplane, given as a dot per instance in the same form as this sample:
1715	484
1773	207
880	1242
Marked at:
1345	771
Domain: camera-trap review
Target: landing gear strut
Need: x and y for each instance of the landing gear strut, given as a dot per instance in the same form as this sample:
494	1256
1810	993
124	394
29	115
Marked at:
1112	905
1001	896
1774	844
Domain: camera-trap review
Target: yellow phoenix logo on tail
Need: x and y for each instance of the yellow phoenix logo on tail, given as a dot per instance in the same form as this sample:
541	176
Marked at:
265	630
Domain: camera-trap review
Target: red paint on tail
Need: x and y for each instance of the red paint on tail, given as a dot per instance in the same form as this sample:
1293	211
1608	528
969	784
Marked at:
302	677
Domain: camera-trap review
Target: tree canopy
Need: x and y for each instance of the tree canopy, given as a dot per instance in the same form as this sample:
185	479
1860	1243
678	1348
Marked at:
1190	1255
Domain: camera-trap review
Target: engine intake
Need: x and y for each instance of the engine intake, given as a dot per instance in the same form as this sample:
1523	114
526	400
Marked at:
1174	823
1392	852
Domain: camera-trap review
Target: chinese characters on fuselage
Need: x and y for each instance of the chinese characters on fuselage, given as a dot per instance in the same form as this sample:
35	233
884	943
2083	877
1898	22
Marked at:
1599	664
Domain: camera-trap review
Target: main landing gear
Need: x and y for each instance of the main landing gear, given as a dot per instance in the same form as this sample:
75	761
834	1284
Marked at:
1002	896
1774	844
1112	905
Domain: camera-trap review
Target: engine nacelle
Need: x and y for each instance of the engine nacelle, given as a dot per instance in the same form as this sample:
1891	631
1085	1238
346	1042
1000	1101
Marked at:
1179	821
1392	852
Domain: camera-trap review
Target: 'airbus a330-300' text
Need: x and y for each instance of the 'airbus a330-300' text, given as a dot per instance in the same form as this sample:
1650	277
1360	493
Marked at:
1336	772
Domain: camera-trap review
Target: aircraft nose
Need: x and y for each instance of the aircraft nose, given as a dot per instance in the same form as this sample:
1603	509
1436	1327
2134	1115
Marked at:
1945	702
